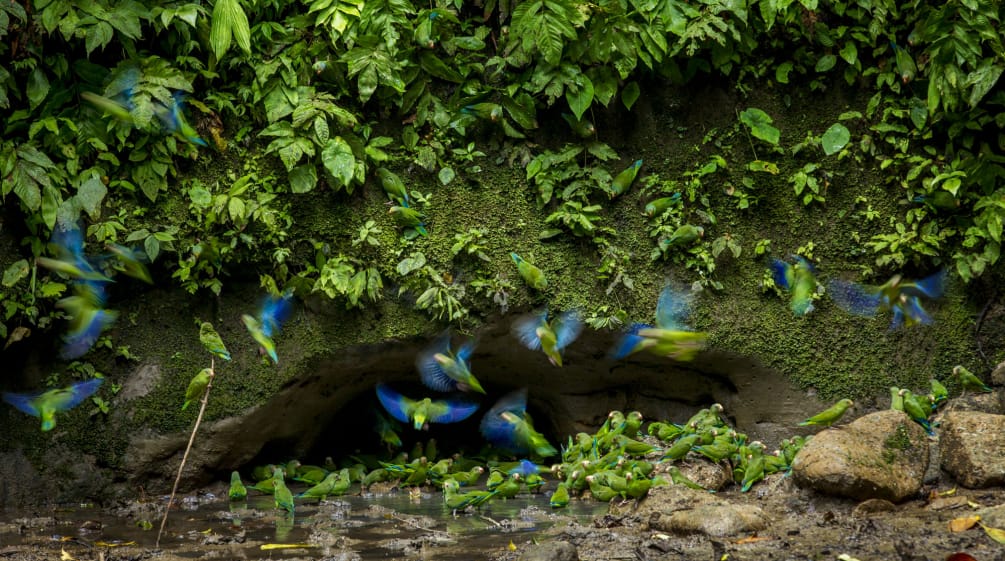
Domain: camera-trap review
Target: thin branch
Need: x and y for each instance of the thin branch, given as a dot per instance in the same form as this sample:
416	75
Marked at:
191	439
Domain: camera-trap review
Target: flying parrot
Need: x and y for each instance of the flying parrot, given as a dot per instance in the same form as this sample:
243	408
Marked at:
830	415
419	413
536	332
623	181
174	121
197	387
671	337
71	261
130	262
799	279
271	316
531	275
444	370
87	318
46	404
211	340
386	429
508	426
900	296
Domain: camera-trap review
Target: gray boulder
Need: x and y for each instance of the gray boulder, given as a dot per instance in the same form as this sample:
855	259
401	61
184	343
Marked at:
973	450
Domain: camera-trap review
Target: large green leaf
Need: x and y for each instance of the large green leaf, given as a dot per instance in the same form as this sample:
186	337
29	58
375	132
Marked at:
339	160
836	137
229	23
303	178
760	126
581	97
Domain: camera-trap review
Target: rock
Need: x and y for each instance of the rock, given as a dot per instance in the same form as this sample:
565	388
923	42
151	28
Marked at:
550	551
998	375
973	450
882	455
873	506
716	520
989	402
666	499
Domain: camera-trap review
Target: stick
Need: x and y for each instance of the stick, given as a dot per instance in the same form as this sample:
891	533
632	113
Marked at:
191	439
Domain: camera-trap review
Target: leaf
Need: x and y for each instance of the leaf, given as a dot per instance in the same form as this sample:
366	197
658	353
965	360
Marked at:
849	52
411	263
339	160
152	247
581	97
38	87
446	175
303	178
760	125
229	22
782	72
15	273
630	94
90	194
836	138
761	165
963	523
997	534
825	63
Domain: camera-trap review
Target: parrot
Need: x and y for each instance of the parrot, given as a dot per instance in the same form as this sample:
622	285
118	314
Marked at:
624	180
45	405
495	479
510	487
393	185
798	279
70	260
657	207
896	399
197	387
754	470
508	426
968	381
671	337
274	311
469	477
408	217
684	235
633	422
455	500
491	111
238	492
120	111
560	498
681	447
916	411
939	392
582	128
900	296
638	488
387	431
130	262
328	486
529	272
536	332
830	415
601	488
174	121
939	200
422	412
525	467
664	431
87	319
905	64
211	340
444	370
282	496
679	478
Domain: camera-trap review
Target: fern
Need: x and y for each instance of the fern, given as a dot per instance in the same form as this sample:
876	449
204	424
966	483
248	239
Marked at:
544	26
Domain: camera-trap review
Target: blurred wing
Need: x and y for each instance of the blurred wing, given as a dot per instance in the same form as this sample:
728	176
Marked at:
514	402
782	273
432	374
525	329
275	311
79	341
23	402
672	307
464	353
568	326
396	404
452	411
629	342
74	395
914	312
932	286
855	298
497	430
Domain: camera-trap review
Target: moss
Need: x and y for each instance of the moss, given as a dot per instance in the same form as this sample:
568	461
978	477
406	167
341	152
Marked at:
899	441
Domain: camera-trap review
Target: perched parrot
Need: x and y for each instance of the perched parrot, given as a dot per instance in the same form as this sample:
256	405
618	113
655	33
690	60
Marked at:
905	64
897	295
830	415
537	333
444	370
393	185
658	206
490	111
684	235
529	272
939	392
679	478
197	387
510	487
560	498
335	484
508	426
282	495
671	336
455	500
896	399
174	121
582	128
917	411
46	404
130	262
799	279
753	471
419	413
408	217
969	381
624	180
237	492
211	340
939	200
274	311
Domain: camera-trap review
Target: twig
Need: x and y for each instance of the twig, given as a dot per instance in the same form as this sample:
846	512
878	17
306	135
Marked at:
483	517
191	439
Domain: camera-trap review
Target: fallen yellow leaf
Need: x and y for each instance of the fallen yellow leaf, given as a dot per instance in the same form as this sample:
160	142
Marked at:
511	546
270	546
113	544
64	556
753	539
963	523
997	534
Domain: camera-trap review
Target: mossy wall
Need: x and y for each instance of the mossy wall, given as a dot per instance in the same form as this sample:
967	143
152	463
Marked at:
673	130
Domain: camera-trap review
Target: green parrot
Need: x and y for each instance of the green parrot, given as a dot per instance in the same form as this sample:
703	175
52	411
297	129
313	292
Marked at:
442	369
968	381
939	200
681	447
537	333
905	64
638	488
531	275
582	128
939	392
624	180
753	471
917	411
45	405
896	399
408	217
393	185
684	235
109	106
658	206
601	490
387	429
238	492
509	426
490	111
510	487
211	340
799	279
455	500
282	496
422	412
495	479
679	478
830	415
665	431
197	387
560	498
130	262
633	422
469	477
